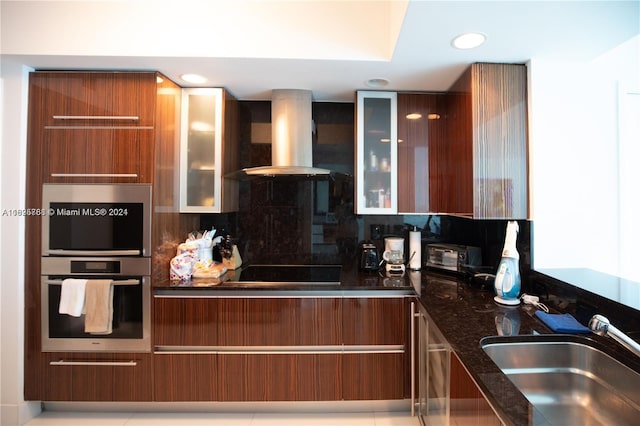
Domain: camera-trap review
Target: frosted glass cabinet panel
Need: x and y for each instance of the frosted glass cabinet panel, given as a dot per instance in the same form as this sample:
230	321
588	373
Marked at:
202	145
376	153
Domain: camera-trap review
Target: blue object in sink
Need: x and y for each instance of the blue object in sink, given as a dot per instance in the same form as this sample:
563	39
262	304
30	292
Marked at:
562	323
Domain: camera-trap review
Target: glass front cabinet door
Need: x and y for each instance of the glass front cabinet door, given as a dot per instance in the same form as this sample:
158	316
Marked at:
201	151
376	153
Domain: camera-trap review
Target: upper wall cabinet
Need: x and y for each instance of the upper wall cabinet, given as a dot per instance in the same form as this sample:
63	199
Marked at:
208	150
376	160
93	126
481	171
420	132
395	135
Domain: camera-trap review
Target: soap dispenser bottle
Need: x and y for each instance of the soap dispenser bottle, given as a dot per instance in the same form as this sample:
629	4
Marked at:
507	282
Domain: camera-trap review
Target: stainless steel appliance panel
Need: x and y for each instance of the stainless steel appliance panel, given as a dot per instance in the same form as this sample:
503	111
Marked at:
96	220
131	318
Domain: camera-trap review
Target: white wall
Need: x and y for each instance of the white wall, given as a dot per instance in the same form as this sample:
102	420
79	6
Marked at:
574	154
13	116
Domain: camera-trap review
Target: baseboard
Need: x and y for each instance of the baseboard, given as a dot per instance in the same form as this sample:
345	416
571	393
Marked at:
236	407
19	414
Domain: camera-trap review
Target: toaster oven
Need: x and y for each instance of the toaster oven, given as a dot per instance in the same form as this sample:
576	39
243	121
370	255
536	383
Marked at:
453	257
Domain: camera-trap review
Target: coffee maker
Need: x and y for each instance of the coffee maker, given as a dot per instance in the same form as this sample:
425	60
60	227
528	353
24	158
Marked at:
394	255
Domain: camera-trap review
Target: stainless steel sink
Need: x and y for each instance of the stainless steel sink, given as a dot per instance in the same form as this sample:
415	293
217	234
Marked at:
569	382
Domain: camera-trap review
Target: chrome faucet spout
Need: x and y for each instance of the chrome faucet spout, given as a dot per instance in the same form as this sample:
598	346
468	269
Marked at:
601	326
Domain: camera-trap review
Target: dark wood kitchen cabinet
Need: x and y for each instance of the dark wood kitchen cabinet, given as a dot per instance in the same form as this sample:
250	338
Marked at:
482	170
272	376
468	404
98	127
94	126
185	339
280	348
185	377
247	349
420	131
185	322
280	322
98	155
375	361
97	377
396	136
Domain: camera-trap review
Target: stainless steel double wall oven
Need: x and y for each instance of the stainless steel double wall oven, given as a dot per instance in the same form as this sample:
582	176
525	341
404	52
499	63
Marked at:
97	231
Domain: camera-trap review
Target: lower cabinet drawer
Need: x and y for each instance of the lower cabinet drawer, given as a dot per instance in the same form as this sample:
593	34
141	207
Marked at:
371	376
184	377
279	377
97	377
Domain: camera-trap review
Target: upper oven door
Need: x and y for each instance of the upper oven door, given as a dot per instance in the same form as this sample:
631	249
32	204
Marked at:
96	220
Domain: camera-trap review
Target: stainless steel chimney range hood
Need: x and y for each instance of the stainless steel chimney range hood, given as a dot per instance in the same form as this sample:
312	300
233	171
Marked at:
291	136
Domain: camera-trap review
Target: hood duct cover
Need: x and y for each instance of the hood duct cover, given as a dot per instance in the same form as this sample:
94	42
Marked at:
291	130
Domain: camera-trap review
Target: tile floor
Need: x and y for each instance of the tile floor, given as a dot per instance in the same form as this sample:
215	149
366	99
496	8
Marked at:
67	418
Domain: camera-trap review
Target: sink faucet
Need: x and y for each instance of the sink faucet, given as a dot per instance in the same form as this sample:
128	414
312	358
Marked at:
602	327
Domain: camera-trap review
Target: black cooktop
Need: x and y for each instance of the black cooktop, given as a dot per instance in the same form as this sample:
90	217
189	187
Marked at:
316	274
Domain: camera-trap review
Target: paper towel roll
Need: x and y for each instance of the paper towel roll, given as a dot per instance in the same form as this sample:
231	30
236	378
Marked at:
415	246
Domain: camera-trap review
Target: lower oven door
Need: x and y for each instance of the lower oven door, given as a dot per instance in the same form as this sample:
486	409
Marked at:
131	318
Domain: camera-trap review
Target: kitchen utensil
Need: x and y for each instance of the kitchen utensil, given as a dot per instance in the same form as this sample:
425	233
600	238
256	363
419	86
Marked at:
369	257
413	254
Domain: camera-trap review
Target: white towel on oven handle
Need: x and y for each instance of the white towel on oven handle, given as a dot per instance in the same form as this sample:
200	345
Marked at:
72	296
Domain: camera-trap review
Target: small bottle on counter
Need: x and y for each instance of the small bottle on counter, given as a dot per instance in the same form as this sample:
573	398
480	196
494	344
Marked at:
373	162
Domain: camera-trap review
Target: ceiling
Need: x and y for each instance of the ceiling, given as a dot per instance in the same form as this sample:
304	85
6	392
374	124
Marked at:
331	47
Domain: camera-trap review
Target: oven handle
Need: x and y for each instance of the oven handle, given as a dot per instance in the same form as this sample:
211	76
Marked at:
62	252
115	282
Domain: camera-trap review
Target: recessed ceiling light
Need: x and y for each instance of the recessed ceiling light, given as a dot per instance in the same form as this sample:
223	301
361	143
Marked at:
468	40
193	78
377	82
413	116
433	116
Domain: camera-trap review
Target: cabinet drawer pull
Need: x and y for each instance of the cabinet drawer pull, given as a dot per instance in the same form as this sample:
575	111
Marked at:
282	350
96	117
96	363
124	175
